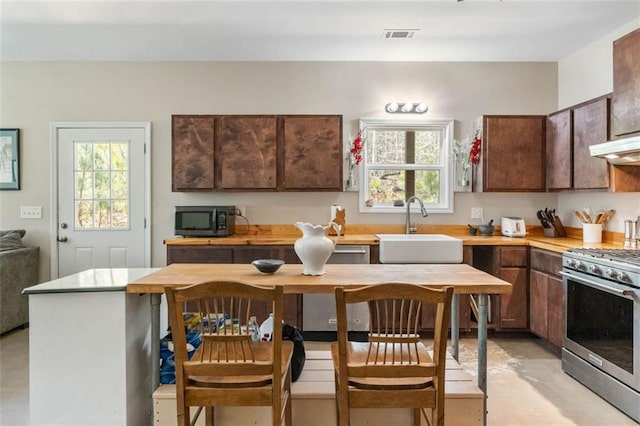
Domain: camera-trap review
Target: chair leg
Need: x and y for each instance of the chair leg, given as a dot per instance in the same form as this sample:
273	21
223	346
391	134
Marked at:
416	417
342	404
209	416
288	418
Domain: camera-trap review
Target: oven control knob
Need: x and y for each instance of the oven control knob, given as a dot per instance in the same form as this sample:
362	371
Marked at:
580	265
611	273
624	277
571	263
595	269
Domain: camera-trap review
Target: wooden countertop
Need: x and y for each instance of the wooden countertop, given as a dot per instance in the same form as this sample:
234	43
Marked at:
366	234
465	279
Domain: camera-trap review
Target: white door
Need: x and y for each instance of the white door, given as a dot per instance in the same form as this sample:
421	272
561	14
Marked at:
102	197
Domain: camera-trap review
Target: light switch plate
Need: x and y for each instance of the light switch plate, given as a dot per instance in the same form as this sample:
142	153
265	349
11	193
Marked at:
30	212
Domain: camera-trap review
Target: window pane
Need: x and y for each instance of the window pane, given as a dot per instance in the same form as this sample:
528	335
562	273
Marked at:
428	147
102	157
386	147
84	185
120	214
102	185
84	214
84	156
119	185
385	186
102	214
119	156
427	185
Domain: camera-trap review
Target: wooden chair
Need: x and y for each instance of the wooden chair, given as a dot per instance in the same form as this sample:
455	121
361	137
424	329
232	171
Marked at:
228	368
393	369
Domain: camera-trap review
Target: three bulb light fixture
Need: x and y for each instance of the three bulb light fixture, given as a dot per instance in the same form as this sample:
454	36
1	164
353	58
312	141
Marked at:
406	107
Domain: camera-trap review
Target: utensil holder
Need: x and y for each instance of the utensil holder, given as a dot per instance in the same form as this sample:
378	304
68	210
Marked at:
592	232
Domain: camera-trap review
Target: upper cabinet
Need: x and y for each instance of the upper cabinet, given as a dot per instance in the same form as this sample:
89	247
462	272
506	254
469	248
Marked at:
560	150
257	152
312	152
192	152
626	84
513	153
590	126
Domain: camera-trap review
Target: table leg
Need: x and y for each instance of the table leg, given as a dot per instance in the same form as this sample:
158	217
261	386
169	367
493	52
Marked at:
455	326
482	350
155	341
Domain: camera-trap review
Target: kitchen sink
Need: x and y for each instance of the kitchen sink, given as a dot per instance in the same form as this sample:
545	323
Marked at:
419	248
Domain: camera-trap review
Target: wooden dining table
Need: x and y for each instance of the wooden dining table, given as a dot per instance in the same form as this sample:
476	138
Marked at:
463	278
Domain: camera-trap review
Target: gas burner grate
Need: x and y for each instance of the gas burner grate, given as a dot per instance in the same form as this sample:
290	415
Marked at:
620	255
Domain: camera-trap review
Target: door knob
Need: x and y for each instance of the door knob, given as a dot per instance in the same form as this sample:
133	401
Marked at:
62	239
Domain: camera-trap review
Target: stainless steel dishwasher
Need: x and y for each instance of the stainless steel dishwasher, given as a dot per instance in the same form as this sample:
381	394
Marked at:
319	310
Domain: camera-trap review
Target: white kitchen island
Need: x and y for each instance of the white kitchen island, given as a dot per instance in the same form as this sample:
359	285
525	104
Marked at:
90	350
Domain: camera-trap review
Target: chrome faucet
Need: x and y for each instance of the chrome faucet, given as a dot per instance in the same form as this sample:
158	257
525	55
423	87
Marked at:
408	228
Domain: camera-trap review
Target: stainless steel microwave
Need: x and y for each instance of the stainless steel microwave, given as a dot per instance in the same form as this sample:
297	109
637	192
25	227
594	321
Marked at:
205	221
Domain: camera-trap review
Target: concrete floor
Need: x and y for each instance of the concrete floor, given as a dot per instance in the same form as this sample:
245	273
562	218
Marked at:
526	385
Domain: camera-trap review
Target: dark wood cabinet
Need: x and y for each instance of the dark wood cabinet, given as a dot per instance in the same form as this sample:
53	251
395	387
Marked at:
559	147
513	153
242	254
257	152
248	152
590	126
312	148
545	305
626	84
192	152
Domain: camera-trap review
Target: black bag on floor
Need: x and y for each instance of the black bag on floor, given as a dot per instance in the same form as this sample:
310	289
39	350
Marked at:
292	333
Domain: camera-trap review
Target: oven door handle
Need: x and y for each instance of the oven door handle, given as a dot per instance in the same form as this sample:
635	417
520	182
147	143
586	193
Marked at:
598	285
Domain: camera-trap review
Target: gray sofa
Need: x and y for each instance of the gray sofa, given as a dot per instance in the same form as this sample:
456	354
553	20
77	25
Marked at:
19	268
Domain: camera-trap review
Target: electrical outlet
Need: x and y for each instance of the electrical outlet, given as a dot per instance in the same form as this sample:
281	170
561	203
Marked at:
30	212
241	210
477	213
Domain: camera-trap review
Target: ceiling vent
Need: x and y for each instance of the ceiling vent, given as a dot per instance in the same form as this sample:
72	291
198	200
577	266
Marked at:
399	33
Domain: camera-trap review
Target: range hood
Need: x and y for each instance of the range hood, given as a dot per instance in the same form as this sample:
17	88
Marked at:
621	152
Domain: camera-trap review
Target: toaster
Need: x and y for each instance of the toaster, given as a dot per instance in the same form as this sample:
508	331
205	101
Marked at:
513	227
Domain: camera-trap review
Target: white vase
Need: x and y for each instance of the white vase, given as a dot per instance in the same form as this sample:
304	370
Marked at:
314	248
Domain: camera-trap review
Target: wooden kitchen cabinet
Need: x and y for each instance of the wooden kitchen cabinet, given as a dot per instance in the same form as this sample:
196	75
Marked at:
590	126
241	254
510	263
545	305
559	150
513	153
626	84
312	150
247	152
192	152
257	152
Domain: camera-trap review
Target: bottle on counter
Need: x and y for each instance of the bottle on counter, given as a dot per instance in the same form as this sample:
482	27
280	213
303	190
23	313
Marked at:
254	329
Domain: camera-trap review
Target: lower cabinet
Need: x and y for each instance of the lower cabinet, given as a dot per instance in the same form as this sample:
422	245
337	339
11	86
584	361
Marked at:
510	263
242	254
545	305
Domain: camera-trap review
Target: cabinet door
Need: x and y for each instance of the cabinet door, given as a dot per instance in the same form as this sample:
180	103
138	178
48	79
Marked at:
199	254
514	256
538	296
590	126
560	150
247	152
626	84
312	152
513	150
192	151
555	308
514	311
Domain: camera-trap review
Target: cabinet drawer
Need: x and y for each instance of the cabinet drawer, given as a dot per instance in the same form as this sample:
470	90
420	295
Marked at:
513	256
546	261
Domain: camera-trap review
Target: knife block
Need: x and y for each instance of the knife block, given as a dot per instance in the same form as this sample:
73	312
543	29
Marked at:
556	230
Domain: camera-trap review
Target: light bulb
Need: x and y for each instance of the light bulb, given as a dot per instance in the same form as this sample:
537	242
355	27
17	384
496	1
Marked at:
421	108
408	107
391	107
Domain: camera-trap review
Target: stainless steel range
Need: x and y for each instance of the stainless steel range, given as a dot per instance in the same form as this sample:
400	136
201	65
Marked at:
601	347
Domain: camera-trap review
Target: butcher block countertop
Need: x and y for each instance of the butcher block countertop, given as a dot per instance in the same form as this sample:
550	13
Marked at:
464	278
366	234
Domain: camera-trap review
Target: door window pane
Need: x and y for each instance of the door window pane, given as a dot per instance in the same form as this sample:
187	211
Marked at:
101	179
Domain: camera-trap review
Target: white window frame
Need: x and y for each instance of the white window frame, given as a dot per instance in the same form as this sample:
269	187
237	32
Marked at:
447	168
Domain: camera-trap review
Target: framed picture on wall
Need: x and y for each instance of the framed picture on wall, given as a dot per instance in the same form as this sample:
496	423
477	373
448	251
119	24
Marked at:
9	158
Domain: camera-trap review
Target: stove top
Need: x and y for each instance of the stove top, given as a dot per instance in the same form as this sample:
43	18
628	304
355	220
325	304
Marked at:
621	266
620	255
